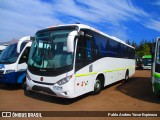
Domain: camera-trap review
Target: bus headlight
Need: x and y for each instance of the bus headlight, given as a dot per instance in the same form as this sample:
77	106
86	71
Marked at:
28	77
64	80
9	71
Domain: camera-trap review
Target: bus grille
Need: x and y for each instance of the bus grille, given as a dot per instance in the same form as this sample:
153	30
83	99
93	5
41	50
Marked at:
43	83
43	89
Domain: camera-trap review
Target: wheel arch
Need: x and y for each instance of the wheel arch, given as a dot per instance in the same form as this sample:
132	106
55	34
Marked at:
101	76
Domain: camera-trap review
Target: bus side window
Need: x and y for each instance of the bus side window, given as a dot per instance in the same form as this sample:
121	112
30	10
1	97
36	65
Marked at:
80	54
84	53
25	55
88	52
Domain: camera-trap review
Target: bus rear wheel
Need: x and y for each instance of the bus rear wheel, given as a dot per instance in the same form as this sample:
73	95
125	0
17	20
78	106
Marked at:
127	76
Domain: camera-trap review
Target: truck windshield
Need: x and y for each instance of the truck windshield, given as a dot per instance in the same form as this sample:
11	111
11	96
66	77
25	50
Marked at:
1	51
9	55
49	51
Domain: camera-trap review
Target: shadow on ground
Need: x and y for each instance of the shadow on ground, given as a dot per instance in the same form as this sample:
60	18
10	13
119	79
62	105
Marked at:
139	88
9	87
56	100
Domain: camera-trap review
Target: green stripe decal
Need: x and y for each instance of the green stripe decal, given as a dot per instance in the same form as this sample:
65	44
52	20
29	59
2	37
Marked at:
118	69
156	75
114	70
92	73
132	67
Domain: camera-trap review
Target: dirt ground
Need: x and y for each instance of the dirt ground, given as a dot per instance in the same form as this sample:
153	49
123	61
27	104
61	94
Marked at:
134	95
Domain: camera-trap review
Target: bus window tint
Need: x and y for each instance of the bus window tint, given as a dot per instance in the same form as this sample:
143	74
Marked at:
89	49
113	48
84	54
107	47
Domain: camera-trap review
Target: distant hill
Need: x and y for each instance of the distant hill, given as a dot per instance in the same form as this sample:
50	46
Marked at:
10	42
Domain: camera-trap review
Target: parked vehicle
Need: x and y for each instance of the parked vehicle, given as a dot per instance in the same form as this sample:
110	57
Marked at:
146	61
13	62
138	63
71	60
2	47
156	68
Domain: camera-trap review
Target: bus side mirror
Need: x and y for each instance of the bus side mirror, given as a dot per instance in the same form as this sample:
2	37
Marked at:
26	38
70	41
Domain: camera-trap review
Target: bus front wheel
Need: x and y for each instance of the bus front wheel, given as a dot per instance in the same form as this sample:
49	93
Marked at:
97	86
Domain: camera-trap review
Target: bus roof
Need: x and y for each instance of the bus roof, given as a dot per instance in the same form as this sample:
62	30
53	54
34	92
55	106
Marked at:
83	26
147	56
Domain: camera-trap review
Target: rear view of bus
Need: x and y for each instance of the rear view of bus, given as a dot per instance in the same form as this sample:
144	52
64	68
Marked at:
71	60
146	61
156	69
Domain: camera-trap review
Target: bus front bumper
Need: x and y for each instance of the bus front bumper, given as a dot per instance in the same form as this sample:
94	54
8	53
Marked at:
8	78
53	90
146	67
13	77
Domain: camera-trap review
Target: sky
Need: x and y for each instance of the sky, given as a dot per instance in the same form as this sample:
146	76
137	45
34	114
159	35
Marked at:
133	20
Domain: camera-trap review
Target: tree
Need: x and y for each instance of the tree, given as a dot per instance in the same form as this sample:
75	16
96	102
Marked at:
143	48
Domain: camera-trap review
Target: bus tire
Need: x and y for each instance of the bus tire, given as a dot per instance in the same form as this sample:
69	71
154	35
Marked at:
23	83
97	86
127	76
27	92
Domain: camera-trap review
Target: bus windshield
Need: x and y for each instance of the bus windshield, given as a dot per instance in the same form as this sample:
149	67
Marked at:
9	55
49	50
147	61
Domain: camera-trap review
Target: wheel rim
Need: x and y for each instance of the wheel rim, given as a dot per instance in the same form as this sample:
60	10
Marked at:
127	76
97	86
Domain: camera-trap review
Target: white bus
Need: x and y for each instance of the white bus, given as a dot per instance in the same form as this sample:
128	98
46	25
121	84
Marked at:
146	61
13	62
156	68
70	60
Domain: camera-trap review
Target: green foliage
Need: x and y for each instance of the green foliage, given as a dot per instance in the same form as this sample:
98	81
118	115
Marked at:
143	48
